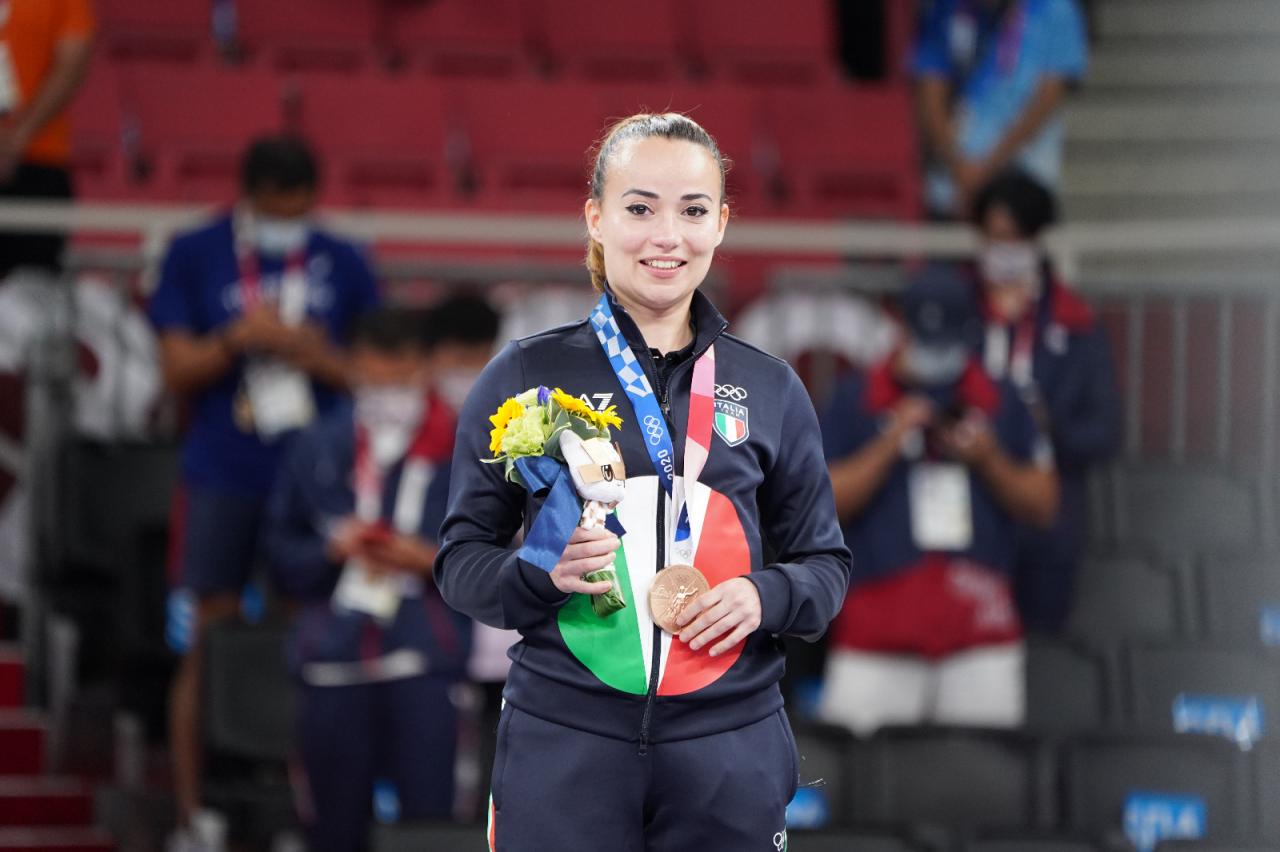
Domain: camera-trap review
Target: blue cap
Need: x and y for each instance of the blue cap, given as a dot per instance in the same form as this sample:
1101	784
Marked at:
938	308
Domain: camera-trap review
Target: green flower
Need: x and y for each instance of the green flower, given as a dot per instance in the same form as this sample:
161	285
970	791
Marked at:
526	434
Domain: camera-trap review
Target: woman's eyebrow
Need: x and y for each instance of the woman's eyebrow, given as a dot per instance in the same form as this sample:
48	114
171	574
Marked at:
644	193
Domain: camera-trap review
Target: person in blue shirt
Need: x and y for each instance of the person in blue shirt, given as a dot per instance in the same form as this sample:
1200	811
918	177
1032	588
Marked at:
992	75
252	312
351	536
1048	342
932	465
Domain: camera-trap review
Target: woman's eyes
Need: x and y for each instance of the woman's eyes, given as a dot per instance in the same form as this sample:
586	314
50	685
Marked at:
695	211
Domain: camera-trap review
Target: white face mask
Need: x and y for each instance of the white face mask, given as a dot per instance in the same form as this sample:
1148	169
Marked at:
278	237
1005	263
391	413
455	384
934	365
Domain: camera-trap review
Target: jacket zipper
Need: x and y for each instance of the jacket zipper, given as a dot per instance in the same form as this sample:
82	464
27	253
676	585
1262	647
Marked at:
664	402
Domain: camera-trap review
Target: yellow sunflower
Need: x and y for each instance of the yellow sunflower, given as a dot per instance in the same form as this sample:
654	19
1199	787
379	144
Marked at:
508	411
599	419
608	417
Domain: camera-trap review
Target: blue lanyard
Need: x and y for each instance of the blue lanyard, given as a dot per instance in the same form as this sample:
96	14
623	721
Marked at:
644	403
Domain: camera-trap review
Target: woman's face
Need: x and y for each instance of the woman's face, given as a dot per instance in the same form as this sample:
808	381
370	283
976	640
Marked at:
1010	264
659	220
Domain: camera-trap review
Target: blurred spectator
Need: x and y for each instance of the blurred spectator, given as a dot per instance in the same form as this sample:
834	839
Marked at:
466	331
351	535
992	75
45	46
1046	340
932	464
252	311
465	328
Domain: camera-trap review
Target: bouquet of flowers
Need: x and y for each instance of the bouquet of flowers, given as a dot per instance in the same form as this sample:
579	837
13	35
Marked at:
536	435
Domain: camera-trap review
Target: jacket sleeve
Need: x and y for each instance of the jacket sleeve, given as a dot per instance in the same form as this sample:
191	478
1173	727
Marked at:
476	570
805	588
294	543
1085	419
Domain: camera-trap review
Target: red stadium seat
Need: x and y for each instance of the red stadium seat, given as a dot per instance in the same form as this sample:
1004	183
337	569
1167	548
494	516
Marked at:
848	151
761	42
457	37
193	125
608	41
380	139
526	141
335	35
155	29
97	135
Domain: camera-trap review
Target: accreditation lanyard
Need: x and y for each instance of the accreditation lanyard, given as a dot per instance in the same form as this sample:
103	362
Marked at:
250	269
367	476
648	415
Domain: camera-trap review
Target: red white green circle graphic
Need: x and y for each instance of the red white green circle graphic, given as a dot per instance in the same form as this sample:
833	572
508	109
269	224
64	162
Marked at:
617	649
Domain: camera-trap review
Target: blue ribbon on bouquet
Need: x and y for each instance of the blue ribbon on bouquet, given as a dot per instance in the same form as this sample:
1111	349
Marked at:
560	513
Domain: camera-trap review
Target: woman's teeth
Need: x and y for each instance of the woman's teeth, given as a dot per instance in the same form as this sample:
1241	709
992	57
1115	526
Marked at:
663	264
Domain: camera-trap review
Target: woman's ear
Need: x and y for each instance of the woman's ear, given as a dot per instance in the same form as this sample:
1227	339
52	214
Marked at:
591	212
724	221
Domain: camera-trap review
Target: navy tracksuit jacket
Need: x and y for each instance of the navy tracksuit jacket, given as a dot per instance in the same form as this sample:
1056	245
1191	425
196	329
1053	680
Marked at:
620	687
1074	379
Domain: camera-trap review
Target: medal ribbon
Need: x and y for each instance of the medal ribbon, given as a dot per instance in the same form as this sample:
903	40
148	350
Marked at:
649	417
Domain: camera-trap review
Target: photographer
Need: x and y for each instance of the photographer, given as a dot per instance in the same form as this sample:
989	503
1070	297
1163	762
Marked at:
933	465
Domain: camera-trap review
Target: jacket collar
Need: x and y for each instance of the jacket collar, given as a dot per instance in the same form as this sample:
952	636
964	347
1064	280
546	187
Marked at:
708	323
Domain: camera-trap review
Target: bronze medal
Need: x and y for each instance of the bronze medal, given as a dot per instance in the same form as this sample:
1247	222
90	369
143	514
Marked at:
673	589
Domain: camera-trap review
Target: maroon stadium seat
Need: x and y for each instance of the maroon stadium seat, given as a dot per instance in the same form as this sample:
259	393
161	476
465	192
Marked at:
525	141
193	125
380	139
458	37
155	29
755	41
334	35
848	151
608	41
97	133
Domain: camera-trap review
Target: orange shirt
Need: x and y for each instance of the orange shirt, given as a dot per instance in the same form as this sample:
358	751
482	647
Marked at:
31	31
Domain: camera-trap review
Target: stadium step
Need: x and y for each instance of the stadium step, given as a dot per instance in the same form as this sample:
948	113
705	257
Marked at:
12	673
1184	118
1186	18
44	801
22	743
1141	65
55	840
1174	174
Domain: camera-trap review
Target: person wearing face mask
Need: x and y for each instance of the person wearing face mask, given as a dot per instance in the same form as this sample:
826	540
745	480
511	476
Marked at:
252	311
351	536
465	329
1048	342
933	465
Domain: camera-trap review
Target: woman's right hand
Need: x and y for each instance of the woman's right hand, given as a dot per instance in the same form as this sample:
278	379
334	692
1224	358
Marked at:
587	551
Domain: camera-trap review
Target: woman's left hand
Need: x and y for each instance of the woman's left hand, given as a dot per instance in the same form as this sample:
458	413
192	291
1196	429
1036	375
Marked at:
733	607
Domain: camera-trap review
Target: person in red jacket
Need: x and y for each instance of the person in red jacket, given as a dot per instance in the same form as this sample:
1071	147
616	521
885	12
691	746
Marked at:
933	465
